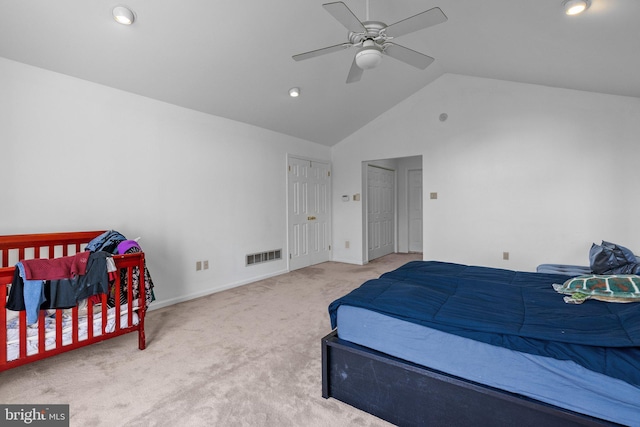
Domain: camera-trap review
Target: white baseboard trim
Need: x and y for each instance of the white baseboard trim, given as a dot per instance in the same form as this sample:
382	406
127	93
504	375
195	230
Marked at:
165	303
348	260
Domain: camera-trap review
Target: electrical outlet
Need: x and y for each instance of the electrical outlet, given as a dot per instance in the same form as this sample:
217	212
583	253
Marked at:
505	255
433	196
198	265
346	244
205	264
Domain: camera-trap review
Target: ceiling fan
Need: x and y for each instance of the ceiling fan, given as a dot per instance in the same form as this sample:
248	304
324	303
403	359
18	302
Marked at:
373	38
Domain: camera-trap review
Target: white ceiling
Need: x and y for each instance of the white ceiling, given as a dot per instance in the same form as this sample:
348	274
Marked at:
232	58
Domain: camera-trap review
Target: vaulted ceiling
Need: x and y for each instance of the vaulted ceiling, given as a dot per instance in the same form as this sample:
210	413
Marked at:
233	58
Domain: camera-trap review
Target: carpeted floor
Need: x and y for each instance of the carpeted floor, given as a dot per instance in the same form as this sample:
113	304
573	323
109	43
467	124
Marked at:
249	356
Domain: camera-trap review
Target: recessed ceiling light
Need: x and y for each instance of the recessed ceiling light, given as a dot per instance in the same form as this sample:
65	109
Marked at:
294	92
123	15
574	7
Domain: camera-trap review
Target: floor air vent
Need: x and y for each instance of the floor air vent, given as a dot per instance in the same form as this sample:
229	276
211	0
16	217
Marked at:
264	256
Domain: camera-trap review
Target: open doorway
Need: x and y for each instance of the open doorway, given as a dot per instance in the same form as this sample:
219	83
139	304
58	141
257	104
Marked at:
392	206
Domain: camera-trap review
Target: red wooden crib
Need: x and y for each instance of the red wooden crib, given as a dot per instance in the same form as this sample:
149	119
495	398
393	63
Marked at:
61	330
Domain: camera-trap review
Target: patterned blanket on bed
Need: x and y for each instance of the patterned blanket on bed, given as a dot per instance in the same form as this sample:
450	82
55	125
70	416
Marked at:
516	310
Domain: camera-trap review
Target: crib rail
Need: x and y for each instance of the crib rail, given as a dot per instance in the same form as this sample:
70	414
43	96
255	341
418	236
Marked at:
19	244
66	335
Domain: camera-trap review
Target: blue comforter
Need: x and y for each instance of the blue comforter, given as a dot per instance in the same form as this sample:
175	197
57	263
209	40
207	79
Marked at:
516	310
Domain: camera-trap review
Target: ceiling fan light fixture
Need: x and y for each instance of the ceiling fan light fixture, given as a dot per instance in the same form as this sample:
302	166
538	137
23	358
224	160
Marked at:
370	56
123	15
574	7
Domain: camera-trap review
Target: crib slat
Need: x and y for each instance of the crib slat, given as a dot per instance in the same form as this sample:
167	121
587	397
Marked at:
104	313
104	308
42	329
130	295
142	304
59	328
90	308
3	321
74	323
22	333
118	287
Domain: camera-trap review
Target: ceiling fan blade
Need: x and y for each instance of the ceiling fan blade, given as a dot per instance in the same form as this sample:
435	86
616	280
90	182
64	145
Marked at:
323	51
408	56
343	14
355	73
416	22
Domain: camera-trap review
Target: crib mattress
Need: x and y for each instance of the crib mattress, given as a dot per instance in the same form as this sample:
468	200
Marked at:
13	336
562	383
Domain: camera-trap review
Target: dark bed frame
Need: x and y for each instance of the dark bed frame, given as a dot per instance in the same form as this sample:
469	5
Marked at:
407	394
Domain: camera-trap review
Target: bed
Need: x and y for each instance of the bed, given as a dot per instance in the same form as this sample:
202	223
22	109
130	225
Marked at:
111	308
434	343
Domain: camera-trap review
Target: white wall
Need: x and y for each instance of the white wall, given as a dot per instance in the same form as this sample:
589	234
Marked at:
80	156
536	171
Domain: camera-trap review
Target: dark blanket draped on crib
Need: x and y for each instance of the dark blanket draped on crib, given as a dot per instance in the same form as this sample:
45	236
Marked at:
61	291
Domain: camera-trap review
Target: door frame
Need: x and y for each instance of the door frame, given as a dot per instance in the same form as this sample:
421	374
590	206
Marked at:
409	171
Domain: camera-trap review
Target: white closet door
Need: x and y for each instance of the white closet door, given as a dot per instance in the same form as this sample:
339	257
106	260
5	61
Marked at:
309	212
380	211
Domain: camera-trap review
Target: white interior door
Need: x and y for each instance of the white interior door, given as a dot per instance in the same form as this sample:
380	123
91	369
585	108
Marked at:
415	210
380	211
309	212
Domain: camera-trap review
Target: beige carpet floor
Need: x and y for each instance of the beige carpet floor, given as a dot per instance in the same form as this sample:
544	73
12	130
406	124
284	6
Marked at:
249	356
